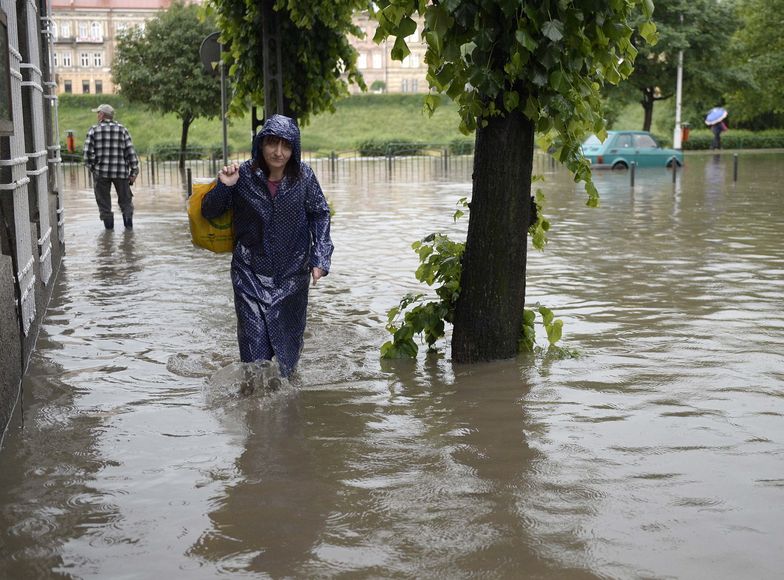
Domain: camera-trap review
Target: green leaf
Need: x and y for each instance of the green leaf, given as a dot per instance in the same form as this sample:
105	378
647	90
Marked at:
553	30
400	50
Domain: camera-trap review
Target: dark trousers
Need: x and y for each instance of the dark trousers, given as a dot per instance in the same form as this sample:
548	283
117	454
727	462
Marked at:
103	196
717	131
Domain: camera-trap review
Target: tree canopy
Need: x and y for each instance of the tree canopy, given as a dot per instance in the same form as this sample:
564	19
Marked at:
318	60
702	29
160	67
758	54
547	60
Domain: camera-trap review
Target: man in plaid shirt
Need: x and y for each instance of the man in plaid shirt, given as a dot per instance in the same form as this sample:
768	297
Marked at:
111	158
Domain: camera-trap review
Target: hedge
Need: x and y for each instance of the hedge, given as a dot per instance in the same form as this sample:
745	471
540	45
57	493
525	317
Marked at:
736	139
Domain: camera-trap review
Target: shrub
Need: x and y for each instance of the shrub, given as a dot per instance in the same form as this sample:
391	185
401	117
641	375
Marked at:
397	147
171	152
736	139
461	146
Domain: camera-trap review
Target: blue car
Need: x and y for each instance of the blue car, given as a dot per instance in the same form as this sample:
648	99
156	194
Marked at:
622	148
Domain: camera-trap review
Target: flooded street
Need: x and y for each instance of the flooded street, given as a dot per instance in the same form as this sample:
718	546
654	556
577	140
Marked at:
657	453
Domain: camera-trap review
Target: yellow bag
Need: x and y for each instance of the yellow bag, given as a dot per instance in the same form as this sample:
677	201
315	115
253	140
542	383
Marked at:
217	234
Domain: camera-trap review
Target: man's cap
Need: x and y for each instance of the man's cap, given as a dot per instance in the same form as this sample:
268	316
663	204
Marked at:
106	109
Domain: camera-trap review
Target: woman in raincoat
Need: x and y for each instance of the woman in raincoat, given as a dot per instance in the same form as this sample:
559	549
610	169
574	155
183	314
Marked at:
281	229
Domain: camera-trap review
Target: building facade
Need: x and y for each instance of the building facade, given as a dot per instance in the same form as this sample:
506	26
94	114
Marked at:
85	38
381	73
84	33
31	211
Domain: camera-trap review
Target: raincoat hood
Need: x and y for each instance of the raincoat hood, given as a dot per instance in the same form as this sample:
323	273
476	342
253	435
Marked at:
283	127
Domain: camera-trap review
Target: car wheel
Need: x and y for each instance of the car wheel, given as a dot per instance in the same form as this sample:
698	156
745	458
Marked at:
620	166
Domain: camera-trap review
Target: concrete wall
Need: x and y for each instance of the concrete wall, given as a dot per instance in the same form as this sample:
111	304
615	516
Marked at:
31	224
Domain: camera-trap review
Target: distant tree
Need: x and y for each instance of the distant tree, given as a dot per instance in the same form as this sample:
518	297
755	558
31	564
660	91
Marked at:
700	28
318	61
160	67
514	69
758	52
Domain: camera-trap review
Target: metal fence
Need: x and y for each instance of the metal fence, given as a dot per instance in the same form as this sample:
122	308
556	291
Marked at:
347	166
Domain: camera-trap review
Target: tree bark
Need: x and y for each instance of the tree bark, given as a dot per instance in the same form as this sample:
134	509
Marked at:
648	98
186	123
489	311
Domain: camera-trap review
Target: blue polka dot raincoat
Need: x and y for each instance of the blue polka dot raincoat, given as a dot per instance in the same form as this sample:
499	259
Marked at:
278	240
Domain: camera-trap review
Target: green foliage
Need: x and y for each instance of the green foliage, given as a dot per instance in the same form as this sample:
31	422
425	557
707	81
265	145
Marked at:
160	65
758	55
552	326
462	146
439	259
171	151
396	147
318	60
736	139
546	60
440	263
538	230
702	30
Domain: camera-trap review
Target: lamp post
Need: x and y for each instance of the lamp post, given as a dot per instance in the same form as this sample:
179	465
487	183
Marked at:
677	135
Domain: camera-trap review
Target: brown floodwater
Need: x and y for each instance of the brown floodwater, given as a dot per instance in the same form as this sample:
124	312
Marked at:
656	453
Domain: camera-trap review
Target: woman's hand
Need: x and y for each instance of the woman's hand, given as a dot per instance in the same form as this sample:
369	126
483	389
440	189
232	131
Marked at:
229	174
317	273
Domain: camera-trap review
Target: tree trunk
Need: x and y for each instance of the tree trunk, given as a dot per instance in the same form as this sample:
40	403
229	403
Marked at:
186	123
647	106
489	311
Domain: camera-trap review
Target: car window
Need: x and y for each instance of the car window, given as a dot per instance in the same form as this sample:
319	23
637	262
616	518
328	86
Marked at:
592	141
623	141
644	142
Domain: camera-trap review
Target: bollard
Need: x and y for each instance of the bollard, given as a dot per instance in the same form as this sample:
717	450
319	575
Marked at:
674	171
333	158
735	167
152	168
189	181
631	173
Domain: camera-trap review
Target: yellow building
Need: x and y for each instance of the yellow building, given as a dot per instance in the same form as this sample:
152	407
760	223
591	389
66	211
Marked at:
85	36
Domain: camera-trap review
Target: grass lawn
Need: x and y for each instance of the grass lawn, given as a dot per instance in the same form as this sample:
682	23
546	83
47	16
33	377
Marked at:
357	118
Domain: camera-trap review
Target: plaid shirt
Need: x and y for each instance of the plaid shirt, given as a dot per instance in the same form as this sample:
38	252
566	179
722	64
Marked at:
109	152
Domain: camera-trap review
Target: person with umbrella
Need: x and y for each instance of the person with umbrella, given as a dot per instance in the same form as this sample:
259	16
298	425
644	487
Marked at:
715	120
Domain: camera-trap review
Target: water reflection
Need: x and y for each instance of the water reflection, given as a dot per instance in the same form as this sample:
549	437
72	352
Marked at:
656	453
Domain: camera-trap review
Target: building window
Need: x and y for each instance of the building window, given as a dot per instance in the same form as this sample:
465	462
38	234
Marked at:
404	86
65	30
362	60
66	59
97	59
98	87
96	31
54	59
411	61
376	60
86	87
84	59
67	87
120	27
414	85
84	30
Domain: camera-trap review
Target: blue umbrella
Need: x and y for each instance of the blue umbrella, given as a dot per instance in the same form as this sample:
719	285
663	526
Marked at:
715	115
